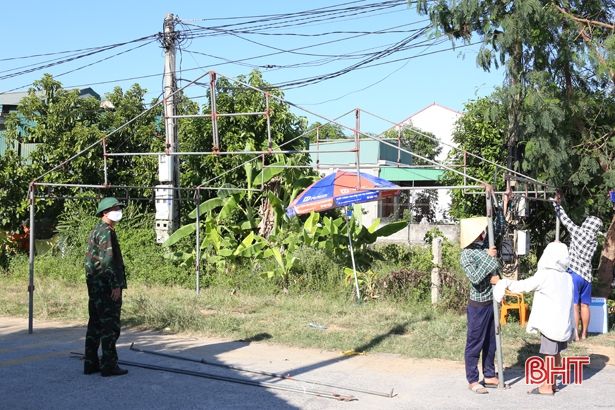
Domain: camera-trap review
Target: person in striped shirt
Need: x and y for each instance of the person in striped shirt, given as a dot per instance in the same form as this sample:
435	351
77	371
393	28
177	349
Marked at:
583	244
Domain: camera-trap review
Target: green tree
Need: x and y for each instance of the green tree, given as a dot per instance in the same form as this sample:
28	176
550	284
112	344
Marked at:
558	95
325	132
417	141
14	178
480	131
63	124
235	132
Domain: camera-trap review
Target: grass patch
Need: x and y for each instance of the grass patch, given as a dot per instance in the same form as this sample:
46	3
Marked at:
315	319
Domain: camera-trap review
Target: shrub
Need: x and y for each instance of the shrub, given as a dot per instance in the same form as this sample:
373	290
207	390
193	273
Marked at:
315	270
409	284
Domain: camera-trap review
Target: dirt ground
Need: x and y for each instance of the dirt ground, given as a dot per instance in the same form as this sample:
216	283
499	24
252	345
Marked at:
37	371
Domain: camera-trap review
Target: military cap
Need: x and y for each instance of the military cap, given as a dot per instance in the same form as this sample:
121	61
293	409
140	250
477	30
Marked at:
107	203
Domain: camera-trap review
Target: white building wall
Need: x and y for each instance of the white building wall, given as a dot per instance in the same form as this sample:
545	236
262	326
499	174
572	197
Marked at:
440	121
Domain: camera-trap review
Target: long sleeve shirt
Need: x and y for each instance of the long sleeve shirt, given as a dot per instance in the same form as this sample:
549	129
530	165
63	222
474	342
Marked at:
479	266
583	242
103	259
552	310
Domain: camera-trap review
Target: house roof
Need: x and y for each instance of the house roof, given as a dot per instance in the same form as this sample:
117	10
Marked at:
433	104
341	152
395	174
12	98
16	97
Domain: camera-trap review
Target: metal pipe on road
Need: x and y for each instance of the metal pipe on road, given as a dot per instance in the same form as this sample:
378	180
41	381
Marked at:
263	373
319	393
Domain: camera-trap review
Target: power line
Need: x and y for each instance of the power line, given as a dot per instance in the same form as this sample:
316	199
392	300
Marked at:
329	33
78	68
289	20
88	49
237	61
77	57
271	15
374	57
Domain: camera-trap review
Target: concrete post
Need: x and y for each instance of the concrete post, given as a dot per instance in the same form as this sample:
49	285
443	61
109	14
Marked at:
436	251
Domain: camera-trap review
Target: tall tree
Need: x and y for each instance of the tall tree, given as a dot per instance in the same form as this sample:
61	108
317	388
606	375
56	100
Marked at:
323	132
558	94
62	124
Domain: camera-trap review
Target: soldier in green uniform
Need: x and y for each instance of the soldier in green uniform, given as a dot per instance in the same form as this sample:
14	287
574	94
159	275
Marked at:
105	277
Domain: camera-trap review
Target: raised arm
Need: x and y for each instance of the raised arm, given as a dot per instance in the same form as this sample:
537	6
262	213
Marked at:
566	221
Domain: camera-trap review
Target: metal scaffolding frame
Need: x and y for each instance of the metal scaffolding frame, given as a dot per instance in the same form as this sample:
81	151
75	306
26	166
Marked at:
532	186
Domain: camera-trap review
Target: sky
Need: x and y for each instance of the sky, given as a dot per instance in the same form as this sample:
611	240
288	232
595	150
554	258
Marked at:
392	87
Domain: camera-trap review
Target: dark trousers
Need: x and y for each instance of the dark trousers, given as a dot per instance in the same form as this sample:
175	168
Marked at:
103	327
480	338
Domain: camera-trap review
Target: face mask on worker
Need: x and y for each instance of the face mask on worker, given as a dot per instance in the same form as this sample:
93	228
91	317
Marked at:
114	216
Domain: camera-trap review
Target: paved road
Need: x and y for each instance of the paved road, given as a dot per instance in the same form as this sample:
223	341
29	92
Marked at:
37	372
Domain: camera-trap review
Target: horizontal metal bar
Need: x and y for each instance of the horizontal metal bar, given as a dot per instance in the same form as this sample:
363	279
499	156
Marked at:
238	114
432	187
263	152
523	193
51	184
220	114
71	185
92	199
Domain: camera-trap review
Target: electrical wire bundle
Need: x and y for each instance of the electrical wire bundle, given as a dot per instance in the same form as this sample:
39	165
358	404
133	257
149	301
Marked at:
304	24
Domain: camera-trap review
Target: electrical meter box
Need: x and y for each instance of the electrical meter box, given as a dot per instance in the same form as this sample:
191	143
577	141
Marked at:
164	201
165	168
522	210
164	211
522	242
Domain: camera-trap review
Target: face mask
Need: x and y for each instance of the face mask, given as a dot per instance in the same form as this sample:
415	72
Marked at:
114	216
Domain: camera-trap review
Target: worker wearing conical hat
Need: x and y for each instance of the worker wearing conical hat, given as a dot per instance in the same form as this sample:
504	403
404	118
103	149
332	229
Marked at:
479	262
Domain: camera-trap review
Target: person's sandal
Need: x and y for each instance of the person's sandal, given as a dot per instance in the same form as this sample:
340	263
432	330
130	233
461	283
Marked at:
537	391
478	389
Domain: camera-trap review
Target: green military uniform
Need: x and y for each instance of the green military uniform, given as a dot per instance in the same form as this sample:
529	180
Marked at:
104	269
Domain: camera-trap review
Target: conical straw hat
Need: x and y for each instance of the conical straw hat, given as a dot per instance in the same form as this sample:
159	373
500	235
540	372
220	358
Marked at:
470	228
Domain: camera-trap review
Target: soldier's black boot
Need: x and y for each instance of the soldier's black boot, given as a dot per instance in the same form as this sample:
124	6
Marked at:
90	366
116	371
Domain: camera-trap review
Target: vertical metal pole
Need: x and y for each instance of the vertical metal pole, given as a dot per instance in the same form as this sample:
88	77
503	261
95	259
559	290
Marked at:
214	112
198	242
496	305
399	145
557	227
357	147
354	267
465	171
170	123
317	148
104	147
31	260
268	117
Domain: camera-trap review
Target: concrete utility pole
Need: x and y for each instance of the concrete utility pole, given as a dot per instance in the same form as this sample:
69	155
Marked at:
167	204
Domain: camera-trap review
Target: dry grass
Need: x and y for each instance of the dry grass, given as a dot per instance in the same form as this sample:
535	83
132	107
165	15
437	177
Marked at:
305	320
